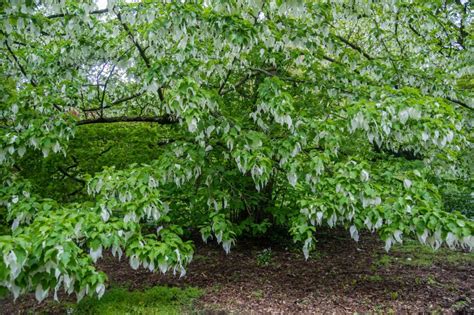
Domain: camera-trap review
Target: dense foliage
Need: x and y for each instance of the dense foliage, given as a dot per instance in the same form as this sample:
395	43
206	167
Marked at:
229	117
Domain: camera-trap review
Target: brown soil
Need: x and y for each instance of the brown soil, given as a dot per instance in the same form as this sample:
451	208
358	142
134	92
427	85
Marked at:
341	278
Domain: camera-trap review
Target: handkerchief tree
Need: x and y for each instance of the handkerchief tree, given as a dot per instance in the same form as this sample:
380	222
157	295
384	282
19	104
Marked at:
298	114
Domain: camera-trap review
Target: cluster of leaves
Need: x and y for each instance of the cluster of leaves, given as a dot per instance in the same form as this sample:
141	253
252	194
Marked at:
294	113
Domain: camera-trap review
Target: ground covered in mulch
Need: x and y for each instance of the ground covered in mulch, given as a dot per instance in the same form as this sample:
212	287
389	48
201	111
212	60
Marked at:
341	277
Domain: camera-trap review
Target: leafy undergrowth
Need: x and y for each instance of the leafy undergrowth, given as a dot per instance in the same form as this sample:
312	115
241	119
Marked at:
341	277
157	300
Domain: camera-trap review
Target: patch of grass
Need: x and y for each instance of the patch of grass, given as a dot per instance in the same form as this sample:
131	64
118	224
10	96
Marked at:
157	300
257	294
412	253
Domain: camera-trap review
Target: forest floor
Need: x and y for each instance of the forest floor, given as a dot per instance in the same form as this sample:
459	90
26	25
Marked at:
342	276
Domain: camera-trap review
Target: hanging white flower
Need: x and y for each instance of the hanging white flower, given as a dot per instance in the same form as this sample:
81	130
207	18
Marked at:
398	236
388	243
163	266
407	183
306	247
292	178
364	175
100	290
134	262
105	214
226	245
192	126
354	233
451	239
422	238
15	109
40	293
319	217
96	253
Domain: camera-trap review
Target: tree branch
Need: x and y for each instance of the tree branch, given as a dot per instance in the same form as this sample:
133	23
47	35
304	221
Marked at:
60	15
116	102
127	98
238	84
163	120
23	71
459	103
221	88
132	38
462	28
141	51
355	47
330	59
105	90
66	174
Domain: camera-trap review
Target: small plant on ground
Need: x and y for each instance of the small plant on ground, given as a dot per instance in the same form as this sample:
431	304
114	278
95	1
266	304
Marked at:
394	295
461	305
431	280
264	257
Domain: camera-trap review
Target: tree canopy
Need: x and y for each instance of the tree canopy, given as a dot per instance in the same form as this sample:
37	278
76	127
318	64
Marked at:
296	114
